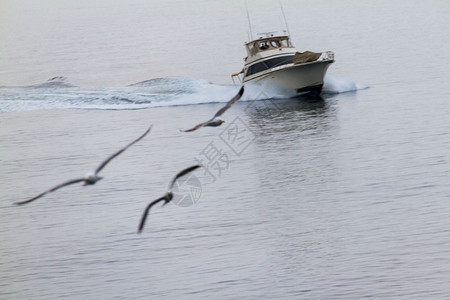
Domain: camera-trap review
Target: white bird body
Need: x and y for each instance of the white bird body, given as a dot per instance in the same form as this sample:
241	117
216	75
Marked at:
215	121
167	197
91	178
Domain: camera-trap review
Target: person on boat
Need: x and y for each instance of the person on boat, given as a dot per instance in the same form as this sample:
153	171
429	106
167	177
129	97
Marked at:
263	46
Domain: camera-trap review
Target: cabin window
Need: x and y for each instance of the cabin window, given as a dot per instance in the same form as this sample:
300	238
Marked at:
270	63
256	68
279	61
285	43
263	45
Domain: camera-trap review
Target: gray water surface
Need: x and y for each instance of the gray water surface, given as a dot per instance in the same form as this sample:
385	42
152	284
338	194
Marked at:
343	197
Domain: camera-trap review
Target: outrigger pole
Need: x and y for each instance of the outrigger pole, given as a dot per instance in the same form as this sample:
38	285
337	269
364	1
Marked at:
284	16
249	24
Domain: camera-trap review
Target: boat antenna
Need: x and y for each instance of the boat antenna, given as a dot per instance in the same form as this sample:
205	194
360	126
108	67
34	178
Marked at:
284	16
249	24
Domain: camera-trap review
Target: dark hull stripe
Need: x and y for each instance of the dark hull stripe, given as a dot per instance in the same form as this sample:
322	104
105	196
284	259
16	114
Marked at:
265	58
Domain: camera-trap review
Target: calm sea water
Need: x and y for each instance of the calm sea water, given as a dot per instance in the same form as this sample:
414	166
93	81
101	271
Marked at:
343	197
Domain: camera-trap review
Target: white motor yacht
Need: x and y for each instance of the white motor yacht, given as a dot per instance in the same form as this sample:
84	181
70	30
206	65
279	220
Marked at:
273	61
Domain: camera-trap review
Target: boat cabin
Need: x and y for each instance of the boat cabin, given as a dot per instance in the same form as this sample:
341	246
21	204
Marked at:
269	43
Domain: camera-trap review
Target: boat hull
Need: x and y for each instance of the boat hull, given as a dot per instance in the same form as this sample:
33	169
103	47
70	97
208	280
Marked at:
293	79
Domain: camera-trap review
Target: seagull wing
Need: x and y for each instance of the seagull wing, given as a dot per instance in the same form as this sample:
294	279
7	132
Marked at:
147	209
220	111
197	126
229	103
73	181
182	173
104	163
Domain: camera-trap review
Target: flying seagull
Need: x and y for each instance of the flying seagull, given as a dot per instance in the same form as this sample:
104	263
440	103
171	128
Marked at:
91	177
167	197
213	122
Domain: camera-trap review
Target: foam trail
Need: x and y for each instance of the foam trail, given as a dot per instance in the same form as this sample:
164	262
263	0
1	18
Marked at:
55	82
58	93
333	85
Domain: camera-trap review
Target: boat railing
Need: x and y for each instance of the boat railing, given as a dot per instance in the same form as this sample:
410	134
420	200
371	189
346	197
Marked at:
327	55
237	75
